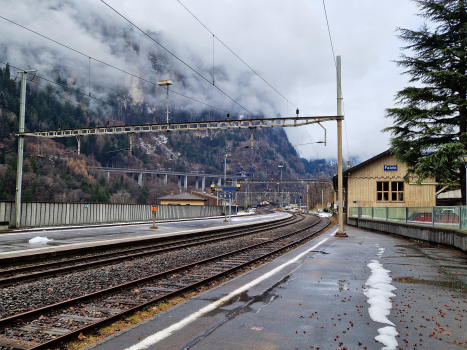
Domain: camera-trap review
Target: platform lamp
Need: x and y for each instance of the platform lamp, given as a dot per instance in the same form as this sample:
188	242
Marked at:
166	83
463	159
280	166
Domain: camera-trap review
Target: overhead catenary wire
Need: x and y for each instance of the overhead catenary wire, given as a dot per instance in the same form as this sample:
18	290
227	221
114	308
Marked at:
339	82
228	48
106	64
175	56
98	99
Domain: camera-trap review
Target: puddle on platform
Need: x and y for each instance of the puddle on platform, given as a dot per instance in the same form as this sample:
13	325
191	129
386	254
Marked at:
457	285
242	297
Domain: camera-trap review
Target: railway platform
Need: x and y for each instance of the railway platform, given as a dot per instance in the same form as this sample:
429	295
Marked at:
18	244
366	291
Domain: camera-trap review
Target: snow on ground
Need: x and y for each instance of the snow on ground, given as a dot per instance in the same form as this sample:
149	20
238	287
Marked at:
40	240
379	291
244	213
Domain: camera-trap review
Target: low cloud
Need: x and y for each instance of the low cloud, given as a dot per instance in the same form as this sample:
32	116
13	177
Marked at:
286	43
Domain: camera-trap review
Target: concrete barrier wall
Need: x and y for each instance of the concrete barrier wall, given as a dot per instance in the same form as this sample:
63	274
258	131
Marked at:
40	214
445	236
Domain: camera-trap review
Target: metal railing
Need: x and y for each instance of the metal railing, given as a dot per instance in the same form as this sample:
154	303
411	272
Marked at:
449	217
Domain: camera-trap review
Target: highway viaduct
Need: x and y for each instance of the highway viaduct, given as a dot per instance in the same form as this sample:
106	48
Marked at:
214	178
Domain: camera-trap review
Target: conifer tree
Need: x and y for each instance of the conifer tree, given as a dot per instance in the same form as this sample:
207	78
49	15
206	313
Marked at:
430	123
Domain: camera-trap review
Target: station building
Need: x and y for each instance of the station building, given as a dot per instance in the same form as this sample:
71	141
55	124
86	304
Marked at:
182	199
379	182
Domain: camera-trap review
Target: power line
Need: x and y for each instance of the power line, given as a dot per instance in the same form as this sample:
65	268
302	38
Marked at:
178	58
329	32
228	48
84	94
66	87
339	82
108	65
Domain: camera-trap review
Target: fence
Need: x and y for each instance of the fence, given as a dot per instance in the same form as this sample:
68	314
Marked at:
449	217
40	214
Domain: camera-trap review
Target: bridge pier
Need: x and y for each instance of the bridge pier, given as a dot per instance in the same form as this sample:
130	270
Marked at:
203	183
196	182
219	182
185	182
140	179
108	176
165	179
179	181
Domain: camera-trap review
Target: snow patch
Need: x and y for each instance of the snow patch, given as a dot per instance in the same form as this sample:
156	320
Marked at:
39	240
387	336
379	291
324	215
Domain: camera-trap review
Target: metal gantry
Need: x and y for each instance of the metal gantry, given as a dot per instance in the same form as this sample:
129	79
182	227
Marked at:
250	124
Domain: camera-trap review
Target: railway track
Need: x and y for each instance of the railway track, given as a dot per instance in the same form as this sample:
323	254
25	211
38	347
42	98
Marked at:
53	269
63	254
51	326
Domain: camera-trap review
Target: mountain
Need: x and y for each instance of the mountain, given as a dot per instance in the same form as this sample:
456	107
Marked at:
72	90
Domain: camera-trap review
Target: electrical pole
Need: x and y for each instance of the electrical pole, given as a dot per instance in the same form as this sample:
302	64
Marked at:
340	181
280	166
19	167
225	179
322	197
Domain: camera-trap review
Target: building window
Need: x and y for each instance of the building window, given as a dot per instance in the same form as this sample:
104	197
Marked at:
397	191
390	191
382	191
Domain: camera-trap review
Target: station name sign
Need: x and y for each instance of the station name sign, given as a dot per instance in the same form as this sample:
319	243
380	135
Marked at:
390	168
226	189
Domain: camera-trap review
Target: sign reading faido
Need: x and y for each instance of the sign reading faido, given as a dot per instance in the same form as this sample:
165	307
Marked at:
226	189
390	168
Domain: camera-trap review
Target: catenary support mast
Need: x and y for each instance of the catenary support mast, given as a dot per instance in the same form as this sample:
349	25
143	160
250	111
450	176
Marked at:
19	167
340	182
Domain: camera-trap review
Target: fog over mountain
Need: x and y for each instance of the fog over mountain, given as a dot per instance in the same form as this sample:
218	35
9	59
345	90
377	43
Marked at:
286	43
93	29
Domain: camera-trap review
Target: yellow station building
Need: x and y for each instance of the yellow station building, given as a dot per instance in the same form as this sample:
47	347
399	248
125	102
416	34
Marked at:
379	182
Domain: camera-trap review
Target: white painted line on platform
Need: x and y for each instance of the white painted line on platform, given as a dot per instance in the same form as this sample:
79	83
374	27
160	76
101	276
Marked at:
156	337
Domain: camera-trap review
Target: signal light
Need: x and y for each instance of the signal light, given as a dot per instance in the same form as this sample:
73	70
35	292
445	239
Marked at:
238	187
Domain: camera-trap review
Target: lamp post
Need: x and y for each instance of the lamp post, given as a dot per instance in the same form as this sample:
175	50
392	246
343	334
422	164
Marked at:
166	83
280	166
463	159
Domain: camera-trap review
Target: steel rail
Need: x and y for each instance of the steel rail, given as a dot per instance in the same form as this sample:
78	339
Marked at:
55	343
4	322
59	341
57	253
115	257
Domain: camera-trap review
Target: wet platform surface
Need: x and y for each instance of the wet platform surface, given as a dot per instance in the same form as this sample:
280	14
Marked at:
17	243
319	296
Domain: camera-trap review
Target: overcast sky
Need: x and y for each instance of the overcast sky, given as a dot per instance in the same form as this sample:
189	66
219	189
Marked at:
286	42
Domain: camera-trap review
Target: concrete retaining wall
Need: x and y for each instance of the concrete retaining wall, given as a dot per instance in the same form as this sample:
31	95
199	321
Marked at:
449	237
40	214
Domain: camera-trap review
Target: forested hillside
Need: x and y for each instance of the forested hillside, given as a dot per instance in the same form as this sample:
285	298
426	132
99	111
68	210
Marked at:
54	172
